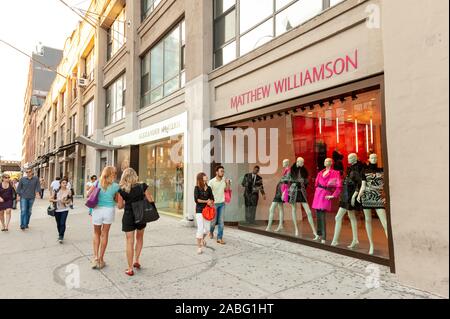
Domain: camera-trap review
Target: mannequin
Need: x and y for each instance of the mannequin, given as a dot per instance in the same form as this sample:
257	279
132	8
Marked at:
328	187
348	203
278	201
297	194
372	197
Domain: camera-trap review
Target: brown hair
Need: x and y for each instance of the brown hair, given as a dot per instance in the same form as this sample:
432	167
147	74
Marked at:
200	181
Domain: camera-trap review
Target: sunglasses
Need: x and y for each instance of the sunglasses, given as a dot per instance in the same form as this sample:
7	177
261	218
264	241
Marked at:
6	177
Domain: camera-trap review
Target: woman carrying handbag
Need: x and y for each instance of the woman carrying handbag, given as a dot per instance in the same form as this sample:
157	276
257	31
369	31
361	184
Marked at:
63	199
131	192
7	197
205	212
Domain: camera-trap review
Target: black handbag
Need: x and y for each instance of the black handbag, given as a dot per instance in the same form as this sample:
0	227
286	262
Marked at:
14	203
144	211
51	210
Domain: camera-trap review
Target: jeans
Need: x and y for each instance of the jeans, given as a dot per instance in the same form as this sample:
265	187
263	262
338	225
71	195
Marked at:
322	223
42	193
25	211
61	218
220	208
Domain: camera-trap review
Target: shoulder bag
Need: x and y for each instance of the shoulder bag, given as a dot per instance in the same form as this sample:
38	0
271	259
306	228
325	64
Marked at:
51	209
92	201
144	211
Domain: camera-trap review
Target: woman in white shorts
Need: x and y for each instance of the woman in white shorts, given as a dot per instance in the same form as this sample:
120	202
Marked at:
103	214
203	196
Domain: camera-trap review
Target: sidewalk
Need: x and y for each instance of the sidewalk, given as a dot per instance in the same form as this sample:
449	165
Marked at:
34	265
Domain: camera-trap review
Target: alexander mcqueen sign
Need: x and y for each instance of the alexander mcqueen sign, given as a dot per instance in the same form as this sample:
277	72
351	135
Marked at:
324	71
170	127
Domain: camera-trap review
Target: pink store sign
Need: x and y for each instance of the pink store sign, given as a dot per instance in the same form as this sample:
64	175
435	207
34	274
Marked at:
324	71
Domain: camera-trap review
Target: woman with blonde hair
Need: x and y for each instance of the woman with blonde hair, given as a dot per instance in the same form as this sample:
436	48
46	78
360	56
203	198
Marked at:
132	191
103	213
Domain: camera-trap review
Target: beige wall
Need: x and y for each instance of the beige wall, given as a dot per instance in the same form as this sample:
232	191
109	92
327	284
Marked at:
417	107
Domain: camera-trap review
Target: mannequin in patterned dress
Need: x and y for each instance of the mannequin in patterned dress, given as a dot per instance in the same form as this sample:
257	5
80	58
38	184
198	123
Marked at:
372	196
278	201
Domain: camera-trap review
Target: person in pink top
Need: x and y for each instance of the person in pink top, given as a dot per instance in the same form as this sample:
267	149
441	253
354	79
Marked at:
328	187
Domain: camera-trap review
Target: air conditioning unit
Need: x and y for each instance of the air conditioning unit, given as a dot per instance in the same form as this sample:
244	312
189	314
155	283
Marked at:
82	82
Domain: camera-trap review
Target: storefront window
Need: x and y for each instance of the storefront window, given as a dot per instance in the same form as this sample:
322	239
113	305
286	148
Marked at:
161	167
328	129
163	67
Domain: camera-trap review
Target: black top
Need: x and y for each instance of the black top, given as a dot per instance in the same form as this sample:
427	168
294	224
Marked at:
202	194
253	184
373	168
136	194
299	173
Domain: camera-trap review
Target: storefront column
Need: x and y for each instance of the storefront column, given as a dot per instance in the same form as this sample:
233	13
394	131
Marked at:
198	64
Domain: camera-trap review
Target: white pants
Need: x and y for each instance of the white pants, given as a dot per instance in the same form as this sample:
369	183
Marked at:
203	226
103	215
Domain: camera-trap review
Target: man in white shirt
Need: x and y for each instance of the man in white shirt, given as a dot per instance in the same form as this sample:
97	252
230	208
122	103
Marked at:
218	186
55	185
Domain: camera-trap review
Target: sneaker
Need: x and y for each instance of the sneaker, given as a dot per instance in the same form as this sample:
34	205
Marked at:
221	241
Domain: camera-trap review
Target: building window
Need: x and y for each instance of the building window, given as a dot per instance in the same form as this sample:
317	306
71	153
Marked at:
55	112
62	135
242	26
116	35
148	6
62	102
72	125
115	101
163	67
54	140
89	119
89	66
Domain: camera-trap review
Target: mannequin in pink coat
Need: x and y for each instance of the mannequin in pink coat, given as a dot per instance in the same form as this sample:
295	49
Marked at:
328	187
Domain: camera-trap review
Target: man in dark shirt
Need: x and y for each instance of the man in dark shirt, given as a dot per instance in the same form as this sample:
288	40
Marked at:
29	187
253	185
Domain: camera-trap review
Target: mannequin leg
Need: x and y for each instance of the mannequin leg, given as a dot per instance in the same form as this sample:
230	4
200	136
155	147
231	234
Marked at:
281	214
310	219
383	219
294	218
337	228
354	223
368	217
271	213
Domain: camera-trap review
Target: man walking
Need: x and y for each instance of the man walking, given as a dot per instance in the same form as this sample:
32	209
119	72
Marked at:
29	187
218	186
253	185
42	183
55	185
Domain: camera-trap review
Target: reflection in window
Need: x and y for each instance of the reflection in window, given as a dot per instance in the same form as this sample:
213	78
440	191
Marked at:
148	6
163	67
116	35
115	101
259	22
89	118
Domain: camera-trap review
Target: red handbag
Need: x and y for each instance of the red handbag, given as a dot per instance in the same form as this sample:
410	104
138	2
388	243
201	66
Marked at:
209	213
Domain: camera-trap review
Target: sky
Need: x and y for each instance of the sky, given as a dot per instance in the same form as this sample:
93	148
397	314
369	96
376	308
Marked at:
25	23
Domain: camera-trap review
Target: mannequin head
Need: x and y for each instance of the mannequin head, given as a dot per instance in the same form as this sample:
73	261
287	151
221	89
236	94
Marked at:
352	158
373	159
328	163
300	162
285	163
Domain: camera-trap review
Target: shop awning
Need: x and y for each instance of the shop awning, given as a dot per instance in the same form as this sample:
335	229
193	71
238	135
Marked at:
97	145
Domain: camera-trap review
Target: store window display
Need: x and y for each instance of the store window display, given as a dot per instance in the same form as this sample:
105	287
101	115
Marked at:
330	184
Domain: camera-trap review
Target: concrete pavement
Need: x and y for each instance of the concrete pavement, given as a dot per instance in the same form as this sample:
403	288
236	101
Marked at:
34	265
